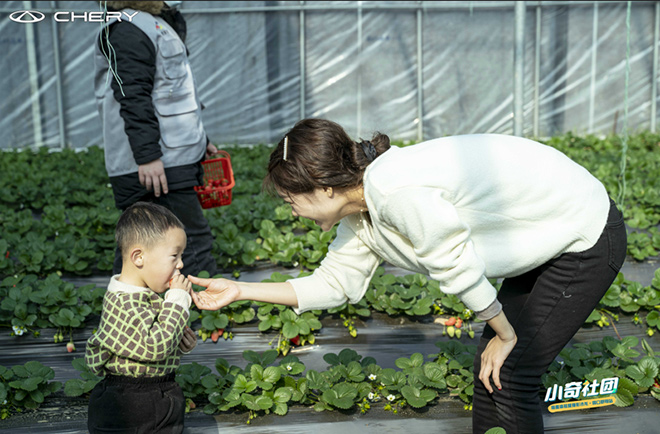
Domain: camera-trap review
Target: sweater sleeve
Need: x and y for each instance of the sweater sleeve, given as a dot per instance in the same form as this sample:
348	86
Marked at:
344	274
441	242
136	67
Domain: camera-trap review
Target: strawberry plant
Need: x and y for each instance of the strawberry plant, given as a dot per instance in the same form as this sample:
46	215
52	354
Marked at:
25	386
349	313
293	329
607	359
212	321
32	304
629	297
189	377
258	388
85	384
459	359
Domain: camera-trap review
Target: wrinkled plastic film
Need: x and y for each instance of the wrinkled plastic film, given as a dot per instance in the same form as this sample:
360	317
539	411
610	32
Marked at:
361	68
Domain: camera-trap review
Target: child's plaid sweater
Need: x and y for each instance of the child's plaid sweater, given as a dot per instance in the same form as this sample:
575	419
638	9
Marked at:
139	333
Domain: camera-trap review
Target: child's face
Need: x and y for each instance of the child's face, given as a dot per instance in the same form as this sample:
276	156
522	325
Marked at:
162	260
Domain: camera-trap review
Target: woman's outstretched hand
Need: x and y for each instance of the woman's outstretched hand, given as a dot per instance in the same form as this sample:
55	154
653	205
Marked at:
218	293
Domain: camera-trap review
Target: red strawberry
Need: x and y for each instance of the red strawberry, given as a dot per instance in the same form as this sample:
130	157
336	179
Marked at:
295	340
451	321
7	254
224	182
70	347
459	323
215	336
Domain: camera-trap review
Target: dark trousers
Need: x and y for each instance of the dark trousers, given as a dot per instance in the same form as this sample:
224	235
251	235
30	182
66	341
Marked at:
546	307
185	205
120	404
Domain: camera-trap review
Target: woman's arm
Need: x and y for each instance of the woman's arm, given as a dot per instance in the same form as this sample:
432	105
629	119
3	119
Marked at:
343	275
497	350
221	292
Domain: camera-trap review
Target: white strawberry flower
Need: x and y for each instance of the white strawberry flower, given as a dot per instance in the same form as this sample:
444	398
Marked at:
390	397
372	377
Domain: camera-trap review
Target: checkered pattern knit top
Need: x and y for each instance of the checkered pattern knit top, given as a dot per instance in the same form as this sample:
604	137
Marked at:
139	332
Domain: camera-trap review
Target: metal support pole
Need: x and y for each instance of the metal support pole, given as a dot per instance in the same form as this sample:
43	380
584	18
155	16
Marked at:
58	81
420	75
654	81
303	71
537	70
359	70
33	74
518	68
594	54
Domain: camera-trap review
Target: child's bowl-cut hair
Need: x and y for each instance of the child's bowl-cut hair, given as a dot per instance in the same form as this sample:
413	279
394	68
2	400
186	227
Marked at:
144	223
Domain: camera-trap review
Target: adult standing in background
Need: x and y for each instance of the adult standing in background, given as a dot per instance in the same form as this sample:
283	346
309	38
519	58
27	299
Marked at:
463	210
153	135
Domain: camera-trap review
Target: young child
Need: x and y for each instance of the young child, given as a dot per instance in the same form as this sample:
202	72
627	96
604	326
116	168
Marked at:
142	335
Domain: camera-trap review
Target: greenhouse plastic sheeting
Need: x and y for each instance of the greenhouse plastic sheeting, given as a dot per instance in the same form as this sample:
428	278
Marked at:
412	70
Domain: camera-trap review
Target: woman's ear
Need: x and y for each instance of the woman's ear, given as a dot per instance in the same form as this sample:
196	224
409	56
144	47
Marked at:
329	191
136	257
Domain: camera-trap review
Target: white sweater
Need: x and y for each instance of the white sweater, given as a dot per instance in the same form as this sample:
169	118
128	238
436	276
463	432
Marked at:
461	209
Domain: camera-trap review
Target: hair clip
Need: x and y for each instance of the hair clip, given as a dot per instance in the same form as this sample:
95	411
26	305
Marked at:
369	150
286	147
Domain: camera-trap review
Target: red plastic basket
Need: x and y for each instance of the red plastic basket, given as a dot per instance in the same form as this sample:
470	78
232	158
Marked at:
218	182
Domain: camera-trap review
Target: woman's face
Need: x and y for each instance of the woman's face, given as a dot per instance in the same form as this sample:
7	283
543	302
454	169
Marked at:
323	206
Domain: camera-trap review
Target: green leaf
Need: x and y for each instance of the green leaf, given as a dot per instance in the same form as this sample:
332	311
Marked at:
28	384
73	388
331	359
37	396
417	398
243	385
290	330
623	398
283	395
281	409
271	374
645	345
354	372
496	430
264	402
315	380
624	353
653	319
644	372
341	395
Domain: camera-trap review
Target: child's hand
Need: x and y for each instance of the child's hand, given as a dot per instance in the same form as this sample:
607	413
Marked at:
188	341
179	281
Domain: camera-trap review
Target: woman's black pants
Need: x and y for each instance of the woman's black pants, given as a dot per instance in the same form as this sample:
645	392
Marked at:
546	307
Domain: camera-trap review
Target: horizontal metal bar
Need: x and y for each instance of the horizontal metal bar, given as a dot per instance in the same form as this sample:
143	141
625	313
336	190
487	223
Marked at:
424	6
